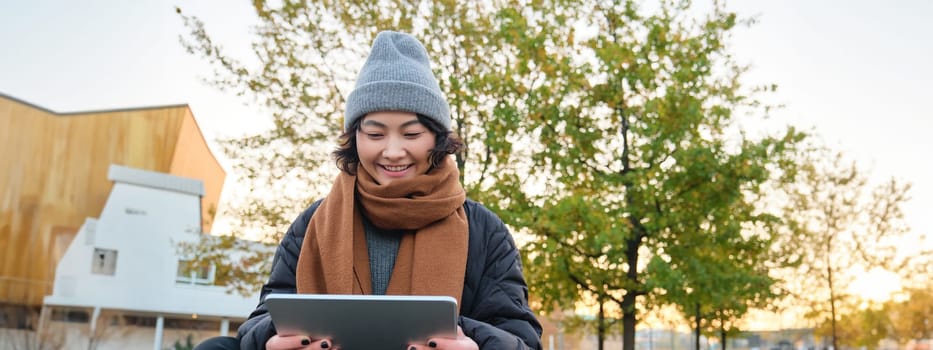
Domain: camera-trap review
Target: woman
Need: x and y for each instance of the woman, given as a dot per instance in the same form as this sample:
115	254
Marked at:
397	220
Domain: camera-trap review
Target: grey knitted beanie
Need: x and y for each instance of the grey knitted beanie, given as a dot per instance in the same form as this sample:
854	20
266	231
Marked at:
397	77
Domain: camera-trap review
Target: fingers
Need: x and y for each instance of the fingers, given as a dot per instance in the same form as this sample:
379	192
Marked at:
296	342
461	342
431	345
323	344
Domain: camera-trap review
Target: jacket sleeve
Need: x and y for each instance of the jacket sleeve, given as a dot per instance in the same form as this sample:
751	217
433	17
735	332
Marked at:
495	311
258	328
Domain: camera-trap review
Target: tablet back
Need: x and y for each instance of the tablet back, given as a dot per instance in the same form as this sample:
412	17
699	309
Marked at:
358	322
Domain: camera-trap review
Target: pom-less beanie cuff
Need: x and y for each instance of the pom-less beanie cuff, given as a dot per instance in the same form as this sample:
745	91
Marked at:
397	76
397	96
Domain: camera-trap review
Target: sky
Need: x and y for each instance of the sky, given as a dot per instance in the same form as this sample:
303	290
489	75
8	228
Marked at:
857	73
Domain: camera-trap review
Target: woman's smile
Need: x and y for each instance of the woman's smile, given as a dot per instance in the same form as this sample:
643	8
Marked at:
396	170
394	145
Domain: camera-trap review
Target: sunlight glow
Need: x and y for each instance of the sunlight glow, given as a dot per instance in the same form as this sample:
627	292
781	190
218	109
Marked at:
875	285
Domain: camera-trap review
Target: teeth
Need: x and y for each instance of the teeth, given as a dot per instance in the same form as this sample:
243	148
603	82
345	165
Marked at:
395	168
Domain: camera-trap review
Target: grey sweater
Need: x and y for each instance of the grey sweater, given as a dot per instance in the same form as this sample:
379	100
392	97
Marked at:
383	248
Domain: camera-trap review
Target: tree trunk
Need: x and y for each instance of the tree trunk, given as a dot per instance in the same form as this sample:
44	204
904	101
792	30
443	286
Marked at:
832	292
628	326
632	243
697	340
629	319
628	301
601	326
722	334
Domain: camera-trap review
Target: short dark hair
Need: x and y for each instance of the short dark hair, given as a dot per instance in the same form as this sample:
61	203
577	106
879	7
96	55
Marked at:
445	144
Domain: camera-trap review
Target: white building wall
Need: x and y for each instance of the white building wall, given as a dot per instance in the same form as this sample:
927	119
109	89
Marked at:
76	336
142	224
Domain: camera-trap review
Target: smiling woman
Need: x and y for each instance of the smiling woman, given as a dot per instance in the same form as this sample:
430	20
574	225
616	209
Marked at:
394	145
397	221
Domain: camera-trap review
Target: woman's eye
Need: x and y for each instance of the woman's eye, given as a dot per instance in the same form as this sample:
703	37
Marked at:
373	135
412	134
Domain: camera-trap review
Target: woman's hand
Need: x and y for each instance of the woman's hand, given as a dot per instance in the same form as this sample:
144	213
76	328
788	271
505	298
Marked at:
296	342
462	342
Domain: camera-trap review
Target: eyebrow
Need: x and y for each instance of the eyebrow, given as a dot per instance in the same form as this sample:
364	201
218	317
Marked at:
381	125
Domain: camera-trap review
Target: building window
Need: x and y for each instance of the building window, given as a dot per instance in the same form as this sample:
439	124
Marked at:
191	324
190	273
18	317
139	321
104	261
70	315
134	211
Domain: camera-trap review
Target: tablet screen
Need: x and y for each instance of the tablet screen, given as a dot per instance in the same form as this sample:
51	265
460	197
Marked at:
358	322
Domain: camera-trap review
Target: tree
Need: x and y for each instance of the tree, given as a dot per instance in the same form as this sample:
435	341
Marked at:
23	327
604	133
911	317
187	345
627	124
308	53
842	224
717	292
904	318
860	328
716	284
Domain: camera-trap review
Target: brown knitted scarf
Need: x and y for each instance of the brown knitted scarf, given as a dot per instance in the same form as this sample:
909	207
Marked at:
430	261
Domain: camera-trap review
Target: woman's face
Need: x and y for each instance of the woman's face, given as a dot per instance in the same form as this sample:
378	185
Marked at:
394	145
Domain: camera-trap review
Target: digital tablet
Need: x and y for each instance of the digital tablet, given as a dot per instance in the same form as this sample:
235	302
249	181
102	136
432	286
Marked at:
363	322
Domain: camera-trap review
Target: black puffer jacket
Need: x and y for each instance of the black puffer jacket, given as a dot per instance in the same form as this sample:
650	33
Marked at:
494	308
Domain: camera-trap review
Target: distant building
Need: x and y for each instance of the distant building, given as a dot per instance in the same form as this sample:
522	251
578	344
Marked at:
124	265
783	339
55	175
55	182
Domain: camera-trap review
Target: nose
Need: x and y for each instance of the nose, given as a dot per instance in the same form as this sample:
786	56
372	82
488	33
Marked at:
394	149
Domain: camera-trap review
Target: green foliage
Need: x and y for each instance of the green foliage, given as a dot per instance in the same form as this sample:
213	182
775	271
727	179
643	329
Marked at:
238	264
910	317
603	131
839	224
187	345
637	185
903	319
863	328
308	54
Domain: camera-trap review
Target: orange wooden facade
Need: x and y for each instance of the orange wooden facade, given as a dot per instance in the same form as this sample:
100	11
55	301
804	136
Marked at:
55	175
